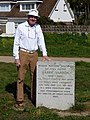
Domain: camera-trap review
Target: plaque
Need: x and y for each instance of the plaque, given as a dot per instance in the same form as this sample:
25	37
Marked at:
55	84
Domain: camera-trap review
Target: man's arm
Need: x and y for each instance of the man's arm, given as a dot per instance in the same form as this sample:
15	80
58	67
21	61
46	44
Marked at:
41	44
16	47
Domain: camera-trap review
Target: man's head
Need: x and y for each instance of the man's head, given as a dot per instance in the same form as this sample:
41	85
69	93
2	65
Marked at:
32	16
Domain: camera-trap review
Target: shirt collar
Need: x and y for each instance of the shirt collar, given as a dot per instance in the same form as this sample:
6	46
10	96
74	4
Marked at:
27	25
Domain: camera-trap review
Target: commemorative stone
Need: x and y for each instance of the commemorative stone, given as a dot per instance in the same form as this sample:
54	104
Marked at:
55	86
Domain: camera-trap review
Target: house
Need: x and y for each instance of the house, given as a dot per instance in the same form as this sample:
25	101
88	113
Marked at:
57	10
14	12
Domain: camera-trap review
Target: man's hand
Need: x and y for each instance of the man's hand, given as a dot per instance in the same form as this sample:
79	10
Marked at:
17	62
46	58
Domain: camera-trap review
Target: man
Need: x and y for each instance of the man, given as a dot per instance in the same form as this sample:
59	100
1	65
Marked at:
28	38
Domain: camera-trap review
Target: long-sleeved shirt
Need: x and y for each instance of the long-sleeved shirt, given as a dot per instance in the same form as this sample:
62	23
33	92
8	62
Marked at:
29	38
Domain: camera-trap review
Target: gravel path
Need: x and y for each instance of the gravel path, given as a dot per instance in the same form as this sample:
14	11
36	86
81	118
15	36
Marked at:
10	59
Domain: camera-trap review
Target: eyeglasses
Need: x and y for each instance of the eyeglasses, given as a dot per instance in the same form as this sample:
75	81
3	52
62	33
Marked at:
31	16
34	10
32	20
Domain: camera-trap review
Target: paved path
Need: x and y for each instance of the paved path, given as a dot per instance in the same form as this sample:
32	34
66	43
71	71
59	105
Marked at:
10	59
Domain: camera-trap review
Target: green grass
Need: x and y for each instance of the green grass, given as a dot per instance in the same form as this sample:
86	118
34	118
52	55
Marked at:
8	78
67	45
82	82
6	45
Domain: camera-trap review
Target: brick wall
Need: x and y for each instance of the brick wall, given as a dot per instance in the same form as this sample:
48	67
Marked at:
66	28
60	28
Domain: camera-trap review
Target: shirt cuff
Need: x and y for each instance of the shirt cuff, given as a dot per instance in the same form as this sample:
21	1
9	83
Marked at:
44	53
16	57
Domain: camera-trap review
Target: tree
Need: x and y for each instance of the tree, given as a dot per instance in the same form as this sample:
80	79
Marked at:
81	10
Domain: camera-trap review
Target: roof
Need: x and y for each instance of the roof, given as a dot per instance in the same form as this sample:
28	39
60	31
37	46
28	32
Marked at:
46	7
15	11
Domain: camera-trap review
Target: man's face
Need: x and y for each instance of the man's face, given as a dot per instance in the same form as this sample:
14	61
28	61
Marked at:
32	19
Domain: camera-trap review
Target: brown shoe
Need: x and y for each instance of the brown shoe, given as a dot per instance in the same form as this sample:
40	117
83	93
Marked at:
19	106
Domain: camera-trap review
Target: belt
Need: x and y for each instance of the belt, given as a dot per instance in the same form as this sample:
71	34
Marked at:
28	51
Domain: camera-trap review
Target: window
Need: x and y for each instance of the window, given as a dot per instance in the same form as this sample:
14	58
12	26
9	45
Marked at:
5	7
64	9
56	8
26	7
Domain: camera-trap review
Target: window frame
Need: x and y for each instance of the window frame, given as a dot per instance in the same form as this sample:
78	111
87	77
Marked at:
23	6
2	7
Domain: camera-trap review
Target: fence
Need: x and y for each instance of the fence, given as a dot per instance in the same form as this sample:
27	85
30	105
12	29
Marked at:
66	28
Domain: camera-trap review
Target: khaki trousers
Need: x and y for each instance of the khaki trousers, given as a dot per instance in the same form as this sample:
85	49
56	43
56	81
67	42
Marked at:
27	60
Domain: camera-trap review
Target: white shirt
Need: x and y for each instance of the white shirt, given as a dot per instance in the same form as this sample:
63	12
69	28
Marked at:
29	38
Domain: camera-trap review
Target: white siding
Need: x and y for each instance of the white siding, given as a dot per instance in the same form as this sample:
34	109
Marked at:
60	13
10	28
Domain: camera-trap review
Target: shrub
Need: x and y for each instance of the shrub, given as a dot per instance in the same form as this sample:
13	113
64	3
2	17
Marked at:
45	21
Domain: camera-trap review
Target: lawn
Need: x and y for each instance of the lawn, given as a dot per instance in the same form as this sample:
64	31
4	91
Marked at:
8	78
67	45
60	45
